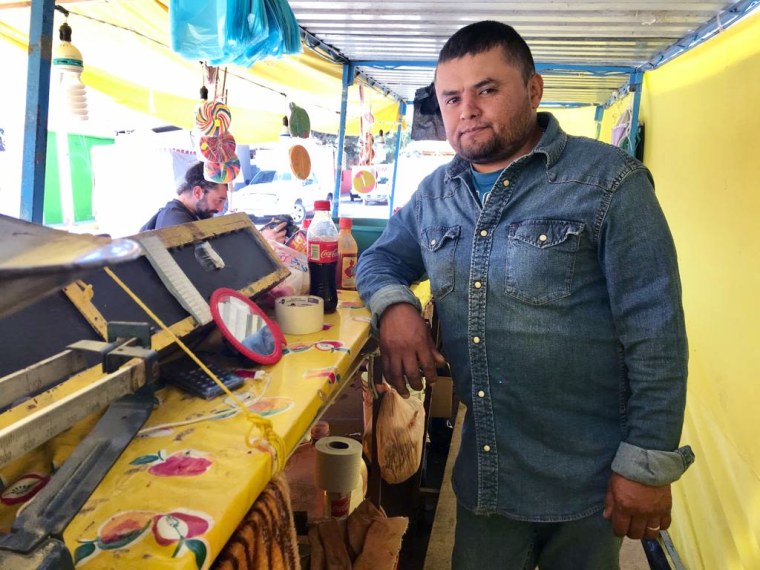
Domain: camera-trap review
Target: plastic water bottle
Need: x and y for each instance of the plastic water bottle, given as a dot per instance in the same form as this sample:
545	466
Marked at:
348	252
322	238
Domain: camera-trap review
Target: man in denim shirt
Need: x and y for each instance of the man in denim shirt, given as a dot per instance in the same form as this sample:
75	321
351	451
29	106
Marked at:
556	282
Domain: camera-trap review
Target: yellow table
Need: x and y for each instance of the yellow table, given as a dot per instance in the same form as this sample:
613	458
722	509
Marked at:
179	490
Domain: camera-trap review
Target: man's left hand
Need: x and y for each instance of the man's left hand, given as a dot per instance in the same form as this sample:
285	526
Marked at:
277	233
635	510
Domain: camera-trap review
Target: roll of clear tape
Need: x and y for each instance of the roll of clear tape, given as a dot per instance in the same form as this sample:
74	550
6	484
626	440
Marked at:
300	314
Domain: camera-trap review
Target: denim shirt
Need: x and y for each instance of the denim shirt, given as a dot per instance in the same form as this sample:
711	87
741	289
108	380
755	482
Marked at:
560	306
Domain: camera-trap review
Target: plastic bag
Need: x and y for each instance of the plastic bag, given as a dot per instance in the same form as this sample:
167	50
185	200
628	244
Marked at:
195	28
233	31
297	283
400	434
283	37
247	27
246	23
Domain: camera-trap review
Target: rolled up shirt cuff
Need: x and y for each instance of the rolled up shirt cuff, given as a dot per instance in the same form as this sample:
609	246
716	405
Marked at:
652	467
387	296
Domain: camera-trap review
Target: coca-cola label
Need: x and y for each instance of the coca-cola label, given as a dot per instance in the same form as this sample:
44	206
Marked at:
338	504
323	251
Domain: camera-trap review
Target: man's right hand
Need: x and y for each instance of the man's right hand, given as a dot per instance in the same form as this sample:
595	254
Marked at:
407	348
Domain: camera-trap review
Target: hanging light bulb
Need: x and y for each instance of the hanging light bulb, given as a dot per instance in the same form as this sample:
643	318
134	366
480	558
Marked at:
67	62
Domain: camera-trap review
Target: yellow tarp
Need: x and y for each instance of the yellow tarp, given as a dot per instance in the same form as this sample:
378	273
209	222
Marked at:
125	46
700	113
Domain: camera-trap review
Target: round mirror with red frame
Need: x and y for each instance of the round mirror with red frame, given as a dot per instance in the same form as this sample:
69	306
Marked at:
246	327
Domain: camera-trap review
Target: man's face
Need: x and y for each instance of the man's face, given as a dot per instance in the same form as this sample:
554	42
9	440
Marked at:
488	110
209	203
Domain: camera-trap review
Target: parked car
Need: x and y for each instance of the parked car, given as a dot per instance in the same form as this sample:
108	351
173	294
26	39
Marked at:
380	194
277	192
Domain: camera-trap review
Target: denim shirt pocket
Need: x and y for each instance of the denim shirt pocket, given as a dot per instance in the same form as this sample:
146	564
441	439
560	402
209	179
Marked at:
541	259
439	246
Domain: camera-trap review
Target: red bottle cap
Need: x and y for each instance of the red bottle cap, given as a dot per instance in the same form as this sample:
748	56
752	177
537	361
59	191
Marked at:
345	223
322	205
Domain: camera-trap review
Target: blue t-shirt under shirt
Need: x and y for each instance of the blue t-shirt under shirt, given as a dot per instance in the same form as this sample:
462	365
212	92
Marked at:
484	182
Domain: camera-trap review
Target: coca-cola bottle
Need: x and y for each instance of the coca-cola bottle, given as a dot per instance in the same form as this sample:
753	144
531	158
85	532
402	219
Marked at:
322	239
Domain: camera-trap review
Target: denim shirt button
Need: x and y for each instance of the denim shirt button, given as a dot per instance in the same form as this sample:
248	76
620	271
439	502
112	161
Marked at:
481	394
432	242
476	339
542	237
486	448
484	233
477	284
506	183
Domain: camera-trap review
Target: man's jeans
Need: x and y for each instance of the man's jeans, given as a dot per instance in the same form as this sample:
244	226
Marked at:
496	542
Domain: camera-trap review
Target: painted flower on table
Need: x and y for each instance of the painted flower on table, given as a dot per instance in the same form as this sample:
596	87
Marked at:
270	406
118	531
323	345
183	527
263	406
294	348
23	489
331	346
184	463
329	373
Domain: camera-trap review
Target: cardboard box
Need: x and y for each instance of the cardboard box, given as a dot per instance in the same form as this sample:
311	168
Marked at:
441	397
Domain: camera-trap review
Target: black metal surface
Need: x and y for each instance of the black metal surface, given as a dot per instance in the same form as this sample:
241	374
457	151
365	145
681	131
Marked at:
51	554
127	329
119	356
655	554
53	508
28	336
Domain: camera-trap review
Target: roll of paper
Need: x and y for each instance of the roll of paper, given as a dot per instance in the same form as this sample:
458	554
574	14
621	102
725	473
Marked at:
339	462
299	314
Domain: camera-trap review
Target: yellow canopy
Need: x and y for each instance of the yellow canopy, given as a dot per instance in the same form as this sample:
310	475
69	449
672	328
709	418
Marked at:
125	46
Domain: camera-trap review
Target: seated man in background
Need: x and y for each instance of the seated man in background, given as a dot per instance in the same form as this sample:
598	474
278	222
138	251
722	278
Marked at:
199	199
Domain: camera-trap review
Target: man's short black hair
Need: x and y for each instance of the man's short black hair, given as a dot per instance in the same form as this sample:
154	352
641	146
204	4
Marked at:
194	177
486	35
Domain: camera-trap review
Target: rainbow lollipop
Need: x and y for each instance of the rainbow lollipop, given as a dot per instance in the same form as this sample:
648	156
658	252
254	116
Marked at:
213	118
217	149
221	172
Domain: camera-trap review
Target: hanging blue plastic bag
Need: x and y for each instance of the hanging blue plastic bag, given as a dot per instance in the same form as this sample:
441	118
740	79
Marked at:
284	36
233	31
291	34
246	25
195	27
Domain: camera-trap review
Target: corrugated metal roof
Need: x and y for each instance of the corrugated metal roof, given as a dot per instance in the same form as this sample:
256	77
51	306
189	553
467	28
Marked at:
577	36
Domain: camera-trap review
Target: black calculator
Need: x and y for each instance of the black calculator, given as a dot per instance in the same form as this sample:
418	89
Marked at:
188	376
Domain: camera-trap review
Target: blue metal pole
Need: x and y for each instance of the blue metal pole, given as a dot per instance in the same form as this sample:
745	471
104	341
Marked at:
37	100
401	115
598	118
547	66
348	79
637	83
